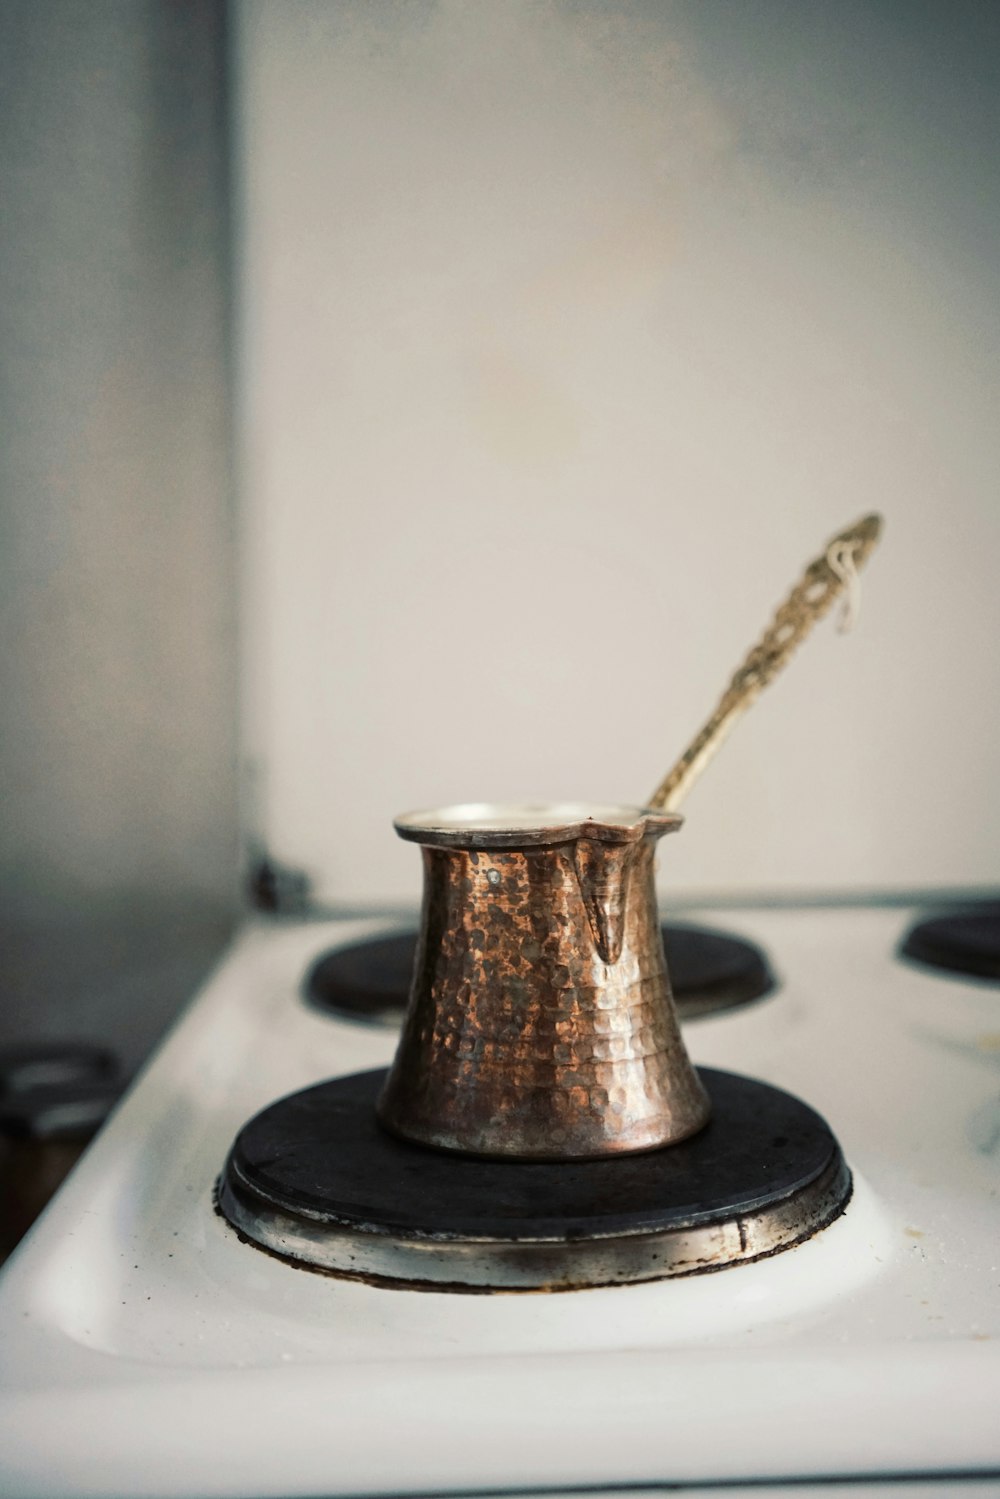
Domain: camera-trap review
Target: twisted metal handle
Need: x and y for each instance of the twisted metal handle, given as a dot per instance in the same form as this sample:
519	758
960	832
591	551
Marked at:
823	580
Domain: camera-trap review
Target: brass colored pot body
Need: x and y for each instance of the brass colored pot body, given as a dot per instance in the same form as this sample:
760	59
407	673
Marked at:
541	1024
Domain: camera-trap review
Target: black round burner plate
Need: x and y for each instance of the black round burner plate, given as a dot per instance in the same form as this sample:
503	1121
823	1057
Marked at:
370	981
965	942
316	1180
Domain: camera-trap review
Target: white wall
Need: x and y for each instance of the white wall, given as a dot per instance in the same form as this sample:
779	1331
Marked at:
569	332
118	809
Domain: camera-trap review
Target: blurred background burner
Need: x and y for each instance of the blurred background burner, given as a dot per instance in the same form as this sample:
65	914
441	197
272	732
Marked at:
54	1097
370	981
963	942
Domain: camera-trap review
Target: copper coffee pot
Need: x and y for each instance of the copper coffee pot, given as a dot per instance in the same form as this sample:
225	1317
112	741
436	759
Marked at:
541	1025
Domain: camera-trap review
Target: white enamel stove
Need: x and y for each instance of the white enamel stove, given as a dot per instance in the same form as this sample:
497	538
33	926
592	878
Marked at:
148	1351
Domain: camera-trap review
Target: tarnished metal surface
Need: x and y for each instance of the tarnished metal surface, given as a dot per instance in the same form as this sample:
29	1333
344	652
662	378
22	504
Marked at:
314	1180
541	1024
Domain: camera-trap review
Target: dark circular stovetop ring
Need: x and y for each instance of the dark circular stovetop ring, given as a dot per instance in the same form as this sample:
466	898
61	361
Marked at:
966	942
369	981
315	1179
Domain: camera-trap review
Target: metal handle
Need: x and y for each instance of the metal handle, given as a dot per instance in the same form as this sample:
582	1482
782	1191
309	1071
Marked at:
809	600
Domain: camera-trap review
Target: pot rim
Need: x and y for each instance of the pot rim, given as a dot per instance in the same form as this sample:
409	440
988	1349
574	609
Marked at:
485	825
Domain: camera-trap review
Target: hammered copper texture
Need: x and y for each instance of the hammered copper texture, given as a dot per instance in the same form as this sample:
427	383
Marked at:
540	1022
